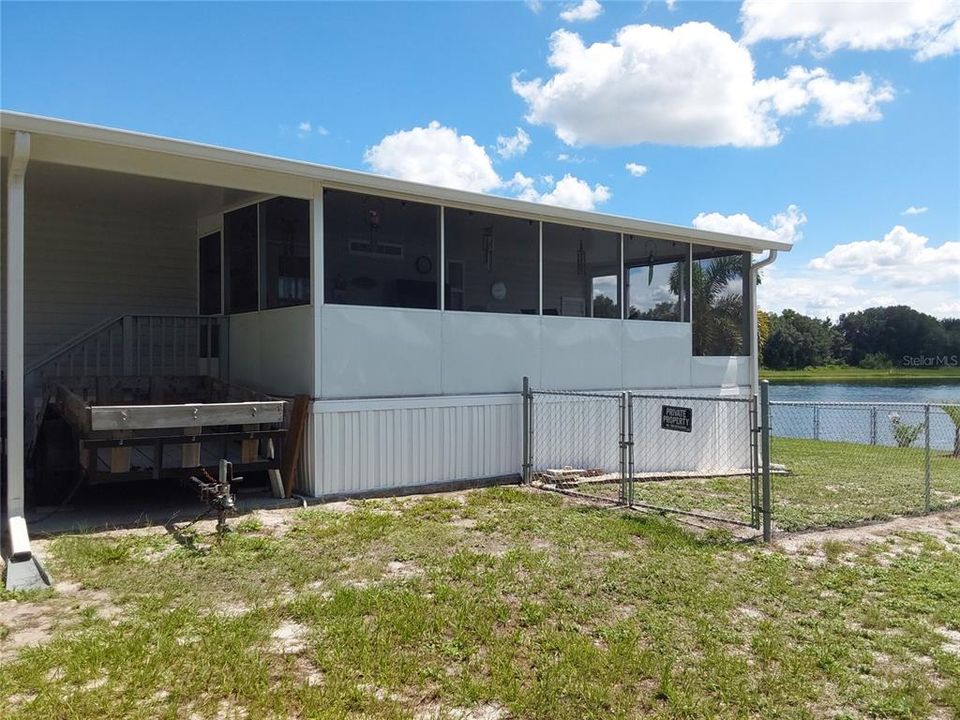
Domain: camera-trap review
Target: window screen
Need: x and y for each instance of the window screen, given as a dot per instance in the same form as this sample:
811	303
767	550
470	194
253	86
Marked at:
210	298
284	252
721	323
492	262
656	277
581	272
240	259
380	251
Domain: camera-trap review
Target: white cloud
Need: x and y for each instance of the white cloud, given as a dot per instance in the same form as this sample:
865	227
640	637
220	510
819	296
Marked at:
517	144
534	6
783	227
689	85
439	155
636	169
930	28
902	259
901	269
671	4
306	128
914	210
436	155
571	192
585	11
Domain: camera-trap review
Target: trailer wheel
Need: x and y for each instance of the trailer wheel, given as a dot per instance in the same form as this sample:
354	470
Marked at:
56	463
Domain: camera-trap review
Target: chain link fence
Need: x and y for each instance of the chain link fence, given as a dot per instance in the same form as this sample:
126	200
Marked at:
844	463
690	455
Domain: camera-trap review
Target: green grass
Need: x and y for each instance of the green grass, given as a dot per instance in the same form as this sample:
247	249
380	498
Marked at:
839	372
827	484
510	599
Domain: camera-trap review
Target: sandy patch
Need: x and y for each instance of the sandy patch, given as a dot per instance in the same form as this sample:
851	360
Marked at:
289	638
488	711
951	641
943	525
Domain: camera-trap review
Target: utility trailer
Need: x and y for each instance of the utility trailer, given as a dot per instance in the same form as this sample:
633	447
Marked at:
110	429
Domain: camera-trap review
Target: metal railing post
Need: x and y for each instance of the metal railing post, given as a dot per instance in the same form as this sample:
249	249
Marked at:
630	446
623	448
926	470
766	489
526	430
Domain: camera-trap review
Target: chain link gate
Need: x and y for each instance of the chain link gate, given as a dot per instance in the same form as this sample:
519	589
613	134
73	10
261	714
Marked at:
693	456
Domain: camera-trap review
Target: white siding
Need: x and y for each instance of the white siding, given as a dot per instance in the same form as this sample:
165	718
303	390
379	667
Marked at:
91	260
272	350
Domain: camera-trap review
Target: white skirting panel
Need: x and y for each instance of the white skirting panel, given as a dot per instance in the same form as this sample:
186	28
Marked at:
360	446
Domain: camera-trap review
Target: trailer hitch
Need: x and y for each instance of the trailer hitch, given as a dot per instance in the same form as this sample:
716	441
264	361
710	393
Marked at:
217	494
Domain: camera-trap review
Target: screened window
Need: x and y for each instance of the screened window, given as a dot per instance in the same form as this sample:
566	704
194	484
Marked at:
210	291
721	324
240	260
380	251
656	277
284	252
492	262
581	272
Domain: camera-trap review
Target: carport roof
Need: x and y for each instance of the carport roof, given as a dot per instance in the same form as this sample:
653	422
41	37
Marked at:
72	143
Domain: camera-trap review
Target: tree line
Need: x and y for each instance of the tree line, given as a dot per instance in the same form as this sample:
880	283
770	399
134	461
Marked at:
879	337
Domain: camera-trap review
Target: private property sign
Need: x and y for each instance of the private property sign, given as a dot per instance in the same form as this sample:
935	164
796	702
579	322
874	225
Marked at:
676	418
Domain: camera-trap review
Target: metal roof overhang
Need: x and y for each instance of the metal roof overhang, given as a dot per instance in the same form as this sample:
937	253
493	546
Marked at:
71	143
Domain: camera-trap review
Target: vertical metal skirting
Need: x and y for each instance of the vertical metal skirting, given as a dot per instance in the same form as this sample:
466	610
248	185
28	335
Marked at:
766	492
926	461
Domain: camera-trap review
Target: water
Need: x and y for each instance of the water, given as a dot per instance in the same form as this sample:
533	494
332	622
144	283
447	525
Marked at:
873	424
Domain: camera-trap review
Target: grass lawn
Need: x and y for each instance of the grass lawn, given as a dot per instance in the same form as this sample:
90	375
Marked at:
491	604
835	372
827	484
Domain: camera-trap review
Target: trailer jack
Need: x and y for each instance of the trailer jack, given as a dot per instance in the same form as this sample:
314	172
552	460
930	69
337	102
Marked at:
216	493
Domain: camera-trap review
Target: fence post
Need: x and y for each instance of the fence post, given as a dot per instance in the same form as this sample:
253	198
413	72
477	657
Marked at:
816	422
926	470
526	430
873	425
630	467
623	448
766	490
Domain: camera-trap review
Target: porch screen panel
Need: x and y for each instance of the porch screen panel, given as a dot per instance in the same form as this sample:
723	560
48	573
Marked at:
211	282
720	301
581	272
241	285
656	276
492	261
284	252
380	251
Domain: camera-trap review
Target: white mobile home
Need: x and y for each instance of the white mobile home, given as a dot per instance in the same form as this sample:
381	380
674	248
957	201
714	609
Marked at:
408	314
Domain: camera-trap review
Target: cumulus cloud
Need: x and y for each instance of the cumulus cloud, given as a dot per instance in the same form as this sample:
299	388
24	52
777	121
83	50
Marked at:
436	155
534	6
901	259
585	11
783	227
636	169
509	146
439	155
914	210
569	191
689	85
903	268
930	28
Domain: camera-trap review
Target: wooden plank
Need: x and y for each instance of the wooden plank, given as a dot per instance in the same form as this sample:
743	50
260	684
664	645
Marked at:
294	443
249	449
120	456
190	452
153	417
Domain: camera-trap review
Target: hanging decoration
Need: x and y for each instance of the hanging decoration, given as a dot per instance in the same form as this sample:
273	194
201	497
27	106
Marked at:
486	247
581	260
650	271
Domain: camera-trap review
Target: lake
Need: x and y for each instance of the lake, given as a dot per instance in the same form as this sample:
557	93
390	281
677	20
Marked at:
869	424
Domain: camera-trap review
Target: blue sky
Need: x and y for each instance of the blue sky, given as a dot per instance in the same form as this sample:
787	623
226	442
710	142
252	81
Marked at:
829	154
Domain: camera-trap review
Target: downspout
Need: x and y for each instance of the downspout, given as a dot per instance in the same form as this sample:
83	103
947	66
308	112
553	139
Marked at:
754	324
